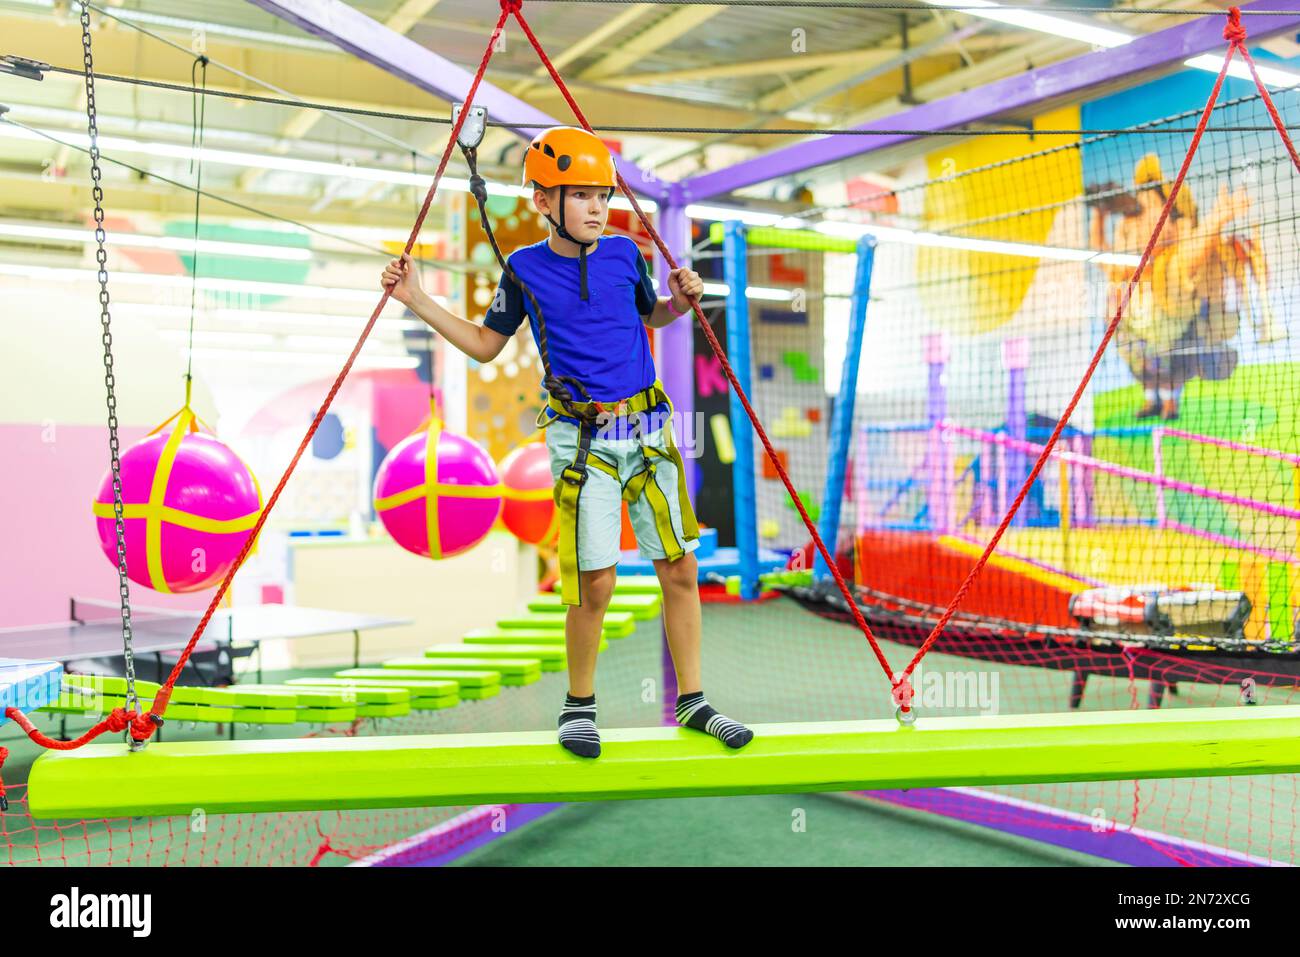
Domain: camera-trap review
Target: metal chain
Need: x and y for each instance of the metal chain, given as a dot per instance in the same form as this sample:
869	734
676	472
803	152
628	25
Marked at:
114	449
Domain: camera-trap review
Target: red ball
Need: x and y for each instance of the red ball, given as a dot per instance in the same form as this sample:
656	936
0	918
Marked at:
529	512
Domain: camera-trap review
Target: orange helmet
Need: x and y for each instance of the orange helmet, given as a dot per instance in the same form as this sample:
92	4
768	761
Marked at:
568	156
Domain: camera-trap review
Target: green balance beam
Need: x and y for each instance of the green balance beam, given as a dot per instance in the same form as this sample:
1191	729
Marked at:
641	606
399	678
615	625
509	671
632	585
553	637
99	694
223	777
427	692
549	657
314	705
371	701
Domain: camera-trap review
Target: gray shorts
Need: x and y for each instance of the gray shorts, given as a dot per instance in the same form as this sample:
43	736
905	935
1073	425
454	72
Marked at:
600	512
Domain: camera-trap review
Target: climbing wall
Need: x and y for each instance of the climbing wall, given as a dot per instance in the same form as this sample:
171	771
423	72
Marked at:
789	386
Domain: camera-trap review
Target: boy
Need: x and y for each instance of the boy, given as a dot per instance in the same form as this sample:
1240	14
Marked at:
607	420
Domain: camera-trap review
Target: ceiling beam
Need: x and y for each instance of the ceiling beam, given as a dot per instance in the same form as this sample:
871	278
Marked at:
298	126
64	200
651	40
926	41
1163	50
611	29
363	37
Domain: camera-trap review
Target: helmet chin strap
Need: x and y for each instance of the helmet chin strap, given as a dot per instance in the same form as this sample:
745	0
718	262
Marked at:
582	244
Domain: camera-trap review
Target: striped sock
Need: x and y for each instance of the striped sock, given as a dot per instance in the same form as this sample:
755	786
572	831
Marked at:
694	712
578	726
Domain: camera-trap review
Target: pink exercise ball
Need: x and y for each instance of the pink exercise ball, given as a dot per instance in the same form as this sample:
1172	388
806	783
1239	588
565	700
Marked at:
442	507
189	503
529	512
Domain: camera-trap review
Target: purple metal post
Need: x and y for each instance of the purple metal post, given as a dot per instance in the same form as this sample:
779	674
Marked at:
1159	51
676	344
1086	486
1015	359
1158	467
940	450
1002	481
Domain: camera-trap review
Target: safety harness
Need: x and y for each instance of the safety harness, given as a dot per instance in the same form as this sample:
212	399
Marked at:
588	413
568	490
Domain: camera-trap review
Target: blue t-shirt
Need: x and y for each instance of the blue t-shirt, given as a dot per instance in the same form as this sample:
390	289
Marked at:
601	342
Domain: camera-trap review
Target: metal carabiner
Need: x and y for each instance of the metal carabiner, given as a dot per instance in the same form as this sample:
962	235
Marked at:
475	125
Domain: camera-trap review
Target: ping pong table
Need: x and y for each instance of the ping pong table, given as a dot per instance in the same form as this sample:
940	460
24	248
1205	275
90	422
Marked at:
93	633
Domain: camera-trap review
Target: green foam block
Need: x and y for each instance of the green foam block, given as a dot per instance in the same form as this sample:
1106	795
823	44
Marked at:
336	773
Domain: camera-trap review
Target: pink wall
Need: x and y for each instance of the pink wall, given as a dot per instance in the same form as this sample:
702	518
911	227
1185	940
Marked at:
51	552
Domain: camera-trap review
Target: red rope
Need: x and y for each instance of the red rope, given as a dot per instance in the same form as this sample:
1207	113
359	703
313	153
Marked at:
117	720
722	359
164	694
1235	33
141	726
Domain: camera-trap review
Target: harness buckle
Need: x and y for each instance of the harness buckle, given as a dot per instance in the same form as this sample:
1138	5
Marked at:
574	474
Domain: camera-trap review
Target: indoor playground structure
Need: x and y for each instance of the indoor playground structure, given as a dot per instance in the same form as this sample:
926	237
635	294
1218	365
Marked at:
993	448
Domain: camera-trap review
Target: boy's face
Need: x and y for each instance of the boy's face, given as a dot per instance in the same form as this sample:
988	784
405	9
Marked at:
586	209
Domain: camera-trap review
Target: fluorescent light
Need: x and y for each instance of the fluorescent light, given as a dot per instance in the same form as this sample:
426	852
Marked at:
750	217
344	343
218	337
206	284
340	345
176	243
370	174
1082	31
313	319
189	26
763	293
911	237
1029	250
221	29
247	356
1272	76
